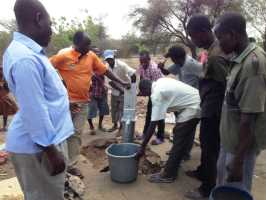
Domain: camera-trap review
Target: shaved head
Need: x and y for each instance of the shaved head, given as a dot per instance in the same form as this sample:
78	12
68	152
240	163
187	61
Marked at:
33	20
25	10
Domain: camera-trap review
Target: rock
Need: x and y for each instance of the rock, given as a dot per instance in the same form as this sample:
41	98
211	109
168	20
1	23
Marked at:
103	143
151	163
154	160
74	188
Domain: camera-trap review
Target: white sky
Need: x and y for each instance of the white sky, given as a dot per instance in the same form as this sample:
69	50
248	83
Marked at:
113	12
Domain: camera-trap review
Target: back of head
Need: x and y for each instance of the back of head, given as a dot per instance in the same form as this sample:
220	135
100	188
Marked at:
199	23
33	21
176	52
144	53
232	21
26	10
81	42
79	37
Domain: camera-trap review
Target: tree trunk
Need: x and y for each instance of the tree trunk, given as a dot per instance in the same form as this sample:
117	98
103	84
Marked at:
264	40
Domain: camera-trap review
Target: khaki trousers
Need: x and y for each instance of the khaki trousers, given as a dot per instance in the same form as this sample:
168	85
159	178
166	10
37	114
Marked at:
74	142
34	179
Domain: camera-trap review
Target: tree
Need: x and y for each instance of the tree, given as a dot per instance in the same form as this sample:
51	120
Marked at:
64	30
171	16
256	15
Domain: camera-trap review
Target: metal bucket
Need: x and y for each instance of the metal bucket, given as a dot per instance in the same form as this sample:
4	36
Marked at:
229	192
122	162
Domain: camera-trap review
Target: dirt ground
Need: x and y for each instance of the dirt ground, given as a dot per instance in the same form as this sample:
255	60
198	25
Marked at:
100	187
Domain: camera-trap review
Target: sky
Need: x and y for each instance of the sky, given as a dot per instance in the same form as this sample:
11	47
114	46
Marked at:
113	13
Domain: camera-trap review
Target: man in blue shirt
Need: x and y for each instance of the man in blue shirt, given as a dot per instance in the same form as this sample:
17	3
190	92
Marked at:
36	137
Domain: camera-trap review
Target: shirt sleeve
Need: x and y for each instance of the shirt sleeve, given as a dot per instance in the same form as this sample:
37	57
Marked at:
29	92
58	60
130	71
253	96
159	106
158	112
98	66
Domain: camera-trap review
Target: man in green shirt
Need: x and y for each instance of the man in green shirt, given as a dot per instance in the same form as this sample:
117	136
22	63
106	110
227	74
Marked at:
243	121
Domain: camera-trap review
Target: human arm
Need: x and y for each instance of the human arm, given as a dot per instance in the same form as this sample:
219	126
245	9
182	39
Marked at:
252	99
158	113
58	60
149	133
27	75
116	86
114	78
133	78
163	70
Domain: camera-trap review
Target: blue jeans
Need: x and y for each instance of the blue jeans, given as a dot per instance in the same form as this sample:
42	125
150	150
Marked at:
225	158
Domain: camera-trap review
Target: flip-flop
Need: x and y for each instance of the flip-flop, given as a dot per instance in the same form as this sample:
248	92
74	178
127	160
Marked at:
157	142
158	178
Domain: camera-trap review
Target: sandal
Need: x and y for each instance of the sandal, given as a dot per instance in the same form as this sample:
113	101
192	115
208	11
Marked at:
157	141
158	178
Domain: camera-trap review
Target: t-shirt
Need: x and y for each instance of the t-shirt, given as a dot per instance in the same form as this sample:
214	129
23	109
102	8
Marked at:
213	83
189	73
245	93
152	72
174	96
77	72
123	71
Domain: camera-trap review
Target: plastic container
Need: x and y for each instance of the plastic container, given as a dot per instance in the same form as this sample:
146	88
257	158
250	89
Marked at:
228	192
122	162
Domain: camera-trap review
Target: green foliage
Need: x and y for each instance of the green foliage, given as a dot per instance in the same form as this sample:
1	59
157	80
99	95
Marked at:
171	16
64	30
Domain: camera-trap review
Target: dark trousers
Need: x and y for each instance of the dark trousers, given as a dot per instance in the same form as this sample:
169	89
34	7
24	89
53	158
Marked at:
161	124
210	146
183	134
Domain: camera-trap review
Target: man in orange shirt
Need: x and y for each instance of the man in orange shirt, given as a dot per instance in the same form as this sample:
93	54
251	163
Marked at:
76	66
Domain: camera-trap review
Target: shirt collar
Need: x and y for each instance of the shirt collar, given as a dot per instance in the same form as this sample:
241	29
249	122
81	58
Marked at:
244	54
28	42
75	53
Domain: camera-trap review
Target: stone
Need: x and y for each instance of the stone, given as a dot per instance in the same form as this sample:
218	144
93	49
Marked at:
74	188
103	143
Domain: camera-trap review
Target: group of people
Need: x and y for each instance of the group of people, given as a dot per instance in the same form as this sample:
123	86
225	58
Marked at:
229	103
225	92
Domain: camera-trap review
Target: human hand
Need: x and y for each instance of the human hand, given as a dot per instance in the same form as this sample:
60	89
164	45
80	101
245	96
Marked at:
121	92
126	85
140	153
55	160
161	65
